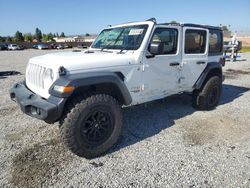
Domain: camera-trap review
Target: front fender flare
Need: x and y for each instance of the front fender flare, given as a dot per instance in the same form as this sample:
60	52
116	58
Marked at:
88	79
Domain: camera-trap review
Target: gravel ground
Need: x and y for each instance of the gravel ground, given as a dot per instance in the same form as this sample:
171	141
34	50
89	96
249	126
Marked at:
165	143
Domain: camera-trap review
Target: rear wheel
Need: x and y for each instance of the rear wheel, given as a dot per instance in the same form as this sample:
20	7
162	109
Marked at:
92	126
208	98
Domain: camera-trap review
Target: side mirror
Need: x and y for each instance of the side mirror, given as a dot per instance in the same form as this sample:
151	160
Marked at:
156	48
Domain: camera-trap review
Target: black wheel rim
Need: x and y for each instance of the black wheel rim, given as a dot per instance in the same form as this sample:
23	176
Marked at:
213	96
97	127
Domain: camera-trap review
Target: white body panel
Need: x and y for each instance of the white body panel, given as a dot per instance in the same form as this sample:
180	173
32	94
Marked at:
146	78
159	78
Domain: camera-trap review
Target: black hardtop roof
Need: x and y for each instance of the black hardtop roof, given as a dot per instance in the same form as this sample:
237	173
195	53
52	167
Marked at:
192	25
186	24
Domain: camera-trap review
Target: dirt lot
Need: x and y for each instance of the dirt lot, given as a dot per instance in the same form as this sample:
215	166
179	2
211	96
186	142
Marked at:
164	144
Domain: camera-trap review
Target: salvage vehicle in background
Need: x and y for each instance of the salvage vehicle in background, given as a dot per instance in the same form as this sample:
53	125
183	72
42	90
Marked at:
42	46
227	46
60	46
128	64
3	46
52	46
35	46
67	45
14	47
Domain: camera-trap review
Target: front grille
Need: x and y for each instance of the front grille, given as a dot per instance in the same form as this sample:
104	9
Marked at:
35	74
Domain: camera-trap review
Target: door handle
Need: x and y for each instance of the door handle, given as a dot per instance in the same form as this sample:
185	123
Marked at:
200	62
174	64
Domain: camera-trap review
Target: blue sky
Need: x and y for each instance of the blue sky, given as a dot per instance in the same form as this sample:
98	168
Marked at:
90	16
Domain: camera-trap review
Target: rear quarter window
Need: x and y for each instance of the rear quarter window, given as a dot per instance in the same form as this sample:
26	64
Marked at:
215	42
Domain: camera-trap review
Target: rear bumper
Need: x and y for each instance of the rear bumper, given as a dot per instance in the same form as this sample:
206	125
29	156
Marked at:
49	110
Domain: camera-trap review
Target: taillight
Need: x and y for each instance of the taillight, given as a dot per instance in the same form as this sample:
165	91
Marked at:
222	61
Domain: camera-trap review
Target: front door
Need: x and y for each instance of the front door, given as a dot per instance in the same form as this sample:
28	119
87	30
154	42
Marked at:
161	72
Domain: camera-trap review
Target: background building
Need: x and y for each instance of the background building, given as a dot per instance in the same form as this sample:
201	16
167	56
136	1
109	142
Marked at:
76	39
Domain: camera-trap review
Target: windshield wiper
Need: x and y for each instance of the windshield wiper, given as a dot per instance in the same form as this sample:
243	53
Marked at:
116	40
106	46
124	48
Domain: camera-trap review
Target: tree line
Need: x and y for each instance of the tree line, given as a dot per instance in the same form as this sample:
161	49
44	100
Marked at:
29	37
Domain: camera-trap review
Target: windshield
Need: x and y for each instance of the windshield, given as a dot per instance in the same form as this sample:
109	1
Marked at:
123	38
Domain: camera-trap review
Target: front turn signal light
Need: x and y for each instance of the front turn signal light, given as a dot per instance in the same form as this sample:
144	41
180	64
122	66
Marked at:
64	89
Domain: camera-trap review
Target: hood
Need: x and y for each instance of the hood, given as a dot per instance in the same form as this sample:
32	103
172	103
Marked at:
74	61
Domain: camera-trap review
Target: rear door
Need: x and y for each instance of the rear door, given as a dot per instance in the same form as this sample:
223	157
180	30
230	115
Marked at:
194	57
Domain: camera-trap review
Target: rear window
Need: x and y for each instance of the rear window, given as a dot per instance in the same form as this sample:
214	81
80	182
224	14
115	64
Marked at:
215	42
195	41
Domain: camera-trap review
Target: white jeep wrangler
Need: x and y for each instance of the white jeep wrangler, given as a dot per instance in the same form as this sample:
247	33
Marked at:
128	64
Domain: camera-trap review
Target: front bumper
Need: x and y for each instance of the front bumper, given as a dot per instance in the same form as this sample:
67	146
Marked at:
49	110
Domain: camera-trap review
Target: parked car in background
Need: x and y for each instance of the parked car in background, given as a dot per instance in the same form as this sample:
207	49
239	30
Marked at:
52	46
81	46
22	47
13	47
3	47
35	46
68	46
42	46
60	46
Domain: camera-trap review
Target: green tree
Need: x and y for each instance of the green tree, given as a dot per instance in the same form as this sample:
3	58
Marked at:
174	22
57	35
8	39
28	37
87	34
50	37
225	28
62	34
47	37
18	37
1	39
44	38
38	35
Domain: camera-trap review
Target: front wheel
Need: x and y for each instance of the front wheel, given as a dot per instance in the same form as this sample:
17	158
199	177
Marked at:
92	126
208	98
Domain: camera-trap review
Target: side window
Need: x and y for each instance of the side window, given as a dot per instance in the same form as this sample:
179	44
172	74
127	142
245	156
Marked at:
168	38
195	41
215	42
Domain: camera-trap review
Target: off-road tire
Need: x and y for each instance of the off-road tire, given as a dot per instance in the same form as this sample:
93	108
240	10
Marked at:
73	127
208	97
